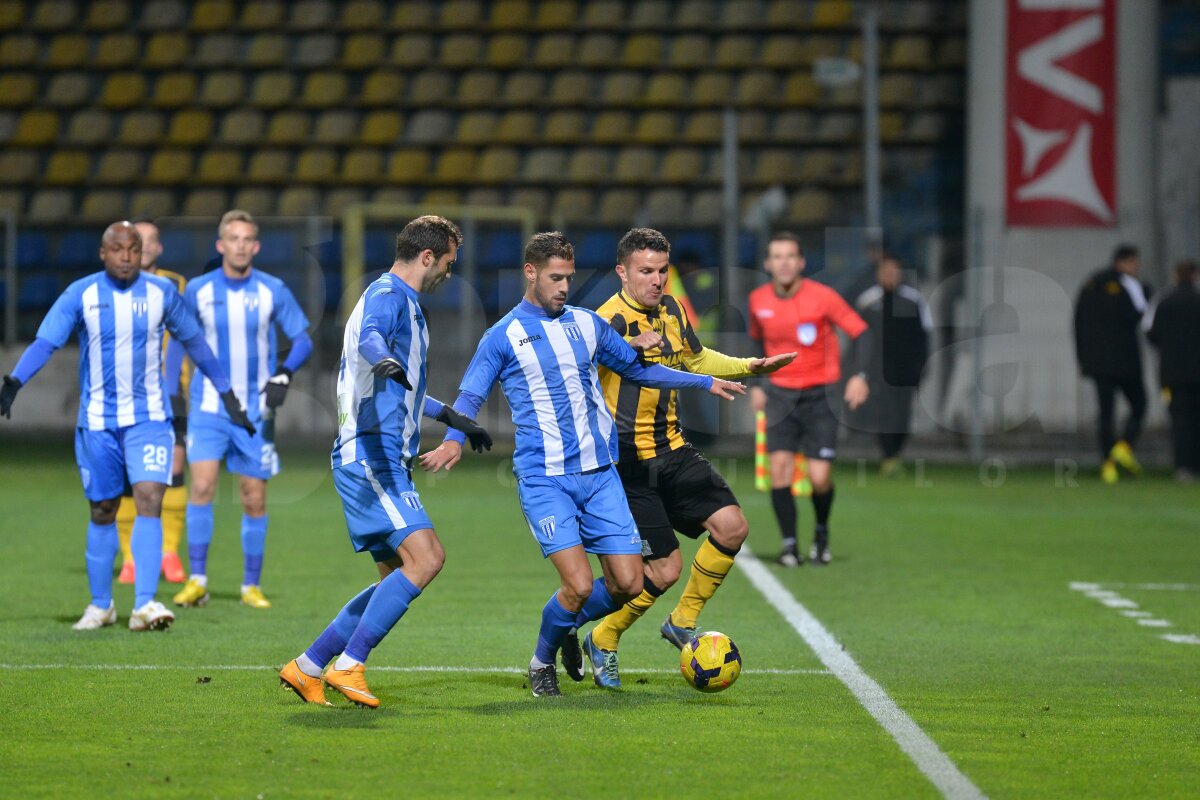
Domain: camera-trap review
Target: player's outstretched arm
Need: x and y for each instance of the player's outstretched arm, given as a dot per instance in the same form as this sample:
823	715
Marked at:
31	361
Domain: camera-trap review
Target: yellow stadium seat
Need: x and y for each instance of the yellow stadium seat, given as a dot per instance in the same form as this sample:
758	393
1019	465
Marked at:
205	203
363	166
813	47
952	53
190	127
597	50
12	16
123	90
642	51
363	15
217	50
218	167
381	127
273	89
461	50
589	165
50	206
600	14
910	52
242	126
507	50
363	51
154	203
475	127
544	165
712	89
753	125
67	168
170	167
799	89
68	89
757	87
324	89
690	51
621	88
317	165
510	15
338	200
120	167
817	165
431	126
158	15
299	201
262	15
891	126
702	127
103	205
90	126
460	14
518	127
289	127
107	15
36	127
564	127
456	165
612	127
141	127
568	88
267	50
667	206
212	15
656	127
742	14
696	14
441	198
484	196
786	15
735	51
833	14
635	165
498	165
165	50
774	165
525	88
394	195
222	89
67	50
336	127
666	89
651	15
792	126
554	50
52	15
311	15
18	167
573	205
116	50
382	89
431	87
269	166
555	15
17	89
535	199
810	207
18	50
411	14
897	90
174	90
619	207
260	202
682	165
479	87
782	52
408	165
851	171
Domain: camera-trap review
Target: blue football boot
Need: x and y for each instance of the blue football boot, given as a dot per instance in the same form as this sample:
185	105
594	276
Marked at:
680	637
604	665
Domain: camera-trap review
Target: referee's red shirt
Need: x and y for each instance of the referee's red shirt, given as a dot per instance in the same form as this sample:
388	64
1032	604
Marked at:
803	323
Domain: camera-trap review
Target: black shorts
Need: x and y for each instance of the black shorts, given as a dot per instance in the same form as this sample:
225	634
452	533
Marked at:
802	421
673	492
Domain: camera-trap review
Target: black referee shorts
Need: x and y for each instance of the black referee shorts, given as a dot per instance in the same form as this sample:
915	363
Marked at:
802	421
673	492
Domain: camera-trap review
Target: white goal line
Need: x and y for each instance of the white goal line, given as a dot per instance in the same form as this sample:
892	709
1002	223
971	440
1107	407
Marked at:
373	668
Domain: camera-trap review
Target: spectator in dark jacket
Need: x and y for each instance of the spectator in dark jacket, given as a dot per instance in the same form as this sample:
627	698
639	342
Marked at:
901	317
1107	316
1173	326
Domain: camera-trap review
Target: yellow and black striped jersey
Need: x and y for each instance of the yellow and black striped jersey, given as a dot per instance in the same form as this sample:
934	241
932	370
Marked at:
180	282
647	419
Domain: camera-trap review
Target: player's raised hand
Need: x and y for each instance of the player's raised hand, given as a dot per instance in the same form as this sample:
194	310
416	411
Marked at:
237	412
391	368
726	389
646	340
479	438
7	394
446	455
765	366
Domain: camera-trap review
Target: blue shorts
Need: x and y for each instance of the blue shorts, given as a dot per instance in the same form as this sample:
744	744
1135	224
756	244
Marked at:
589	509
212	437
381	505
141	452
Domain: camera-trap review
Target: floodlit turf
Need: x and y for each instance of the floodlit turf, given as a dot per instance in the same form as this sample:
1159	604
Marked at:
955	596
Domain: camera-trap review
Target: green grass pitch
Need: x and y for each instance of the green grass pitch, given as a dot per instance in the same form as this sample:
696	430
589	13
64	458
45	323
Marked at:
954	595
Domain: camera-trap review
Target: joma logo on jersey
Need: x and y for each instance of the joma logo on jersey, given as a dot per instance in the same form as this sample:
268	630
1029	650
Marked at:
529	339
572	331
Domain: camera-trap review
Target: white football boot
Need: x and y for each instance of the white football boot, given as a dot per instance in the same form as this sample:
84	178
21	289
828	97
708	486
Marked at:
95	617
152	616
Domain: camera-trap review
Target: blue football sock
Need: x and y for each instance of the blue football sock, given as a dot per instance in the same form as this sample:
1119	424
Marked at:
556	621
254	541
334	638
384	609
199	534
101	550
599	604
146	544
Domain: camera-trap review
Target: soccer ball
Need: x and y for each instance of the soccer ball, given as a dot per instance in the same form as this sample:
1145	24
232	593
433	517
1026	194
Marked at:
710	662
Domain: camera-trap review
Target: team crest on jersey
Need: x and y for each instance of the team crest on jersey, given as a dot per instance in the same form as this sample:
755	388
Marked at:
412	500
547	527
141	307
250	301
806	333
572	331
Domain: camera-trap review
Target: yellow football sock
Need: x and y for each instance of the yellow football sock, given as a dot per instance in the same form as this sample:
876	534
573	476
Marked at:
708	571
174	509
607	633
125	514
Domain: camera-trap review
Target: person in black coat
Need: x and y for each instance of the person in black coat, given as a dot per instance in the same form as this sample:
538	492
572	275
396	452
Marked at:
1107	316
1173	326
901	317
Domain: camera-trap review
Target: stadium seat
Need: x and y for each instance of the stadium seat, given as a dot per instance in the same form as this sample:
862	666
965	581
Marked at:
413	51
102	206
702	127
535	199
667	206
612	127
589	165
205	203
461	14
707	208
141	128
68	90
597	50
382	88
65	51
363	51
431	88
799	89
642	51
12	16
408	165
120	167
926	127
260	202
479	87
212	15
564	127
315	50
635	165
567	88
363	15
311	15
460	50
219	167
362	166
439	197
544	165
850	173
782	52
897	90
518	127
338	200
217	50
18	167
17	90
682	165
656	127
596	250
618	208
116	50
174	90
106	15
52	15
269	166
621	88
817	165
743	14
792	126
573	205
267	50
431	126
324	90
525	88
413	14
18	50
190	127
940	90
690	51
498	165
316	165
8	125
712	89
736	51
559	15
165	50
757	88
242	126
554	50
696	14
891	126
337	127
36	127
475	127
89	126
37	292
810	207
952	53
155	203
666	89
169	167
455	165
67	168
272	89
383	243
909	52
163	15
510	15
773	165
507	51
222	89
834	127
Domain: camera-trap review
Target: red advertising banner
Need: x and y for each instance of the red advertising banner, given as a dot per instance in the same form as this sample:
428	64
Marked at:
1060	135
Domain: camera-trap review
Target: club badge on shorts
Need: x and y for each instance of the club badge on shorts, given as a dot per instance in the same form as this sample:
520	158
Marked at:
806	333
547	527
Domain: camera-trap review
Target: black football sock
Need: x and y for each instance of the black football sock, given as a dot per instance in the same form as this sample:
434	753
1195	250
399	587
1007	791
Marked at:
785	515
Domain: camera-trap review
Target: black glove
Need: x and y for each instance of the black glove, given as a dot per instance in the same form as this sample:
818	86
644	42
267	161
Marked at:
277	388
8	394
479	438
391	368
236	411
179	417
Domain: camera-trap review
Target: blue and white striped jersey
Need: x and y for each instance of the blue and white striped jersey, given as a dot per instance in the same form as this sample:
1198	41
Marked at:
239	318
120	345
379	421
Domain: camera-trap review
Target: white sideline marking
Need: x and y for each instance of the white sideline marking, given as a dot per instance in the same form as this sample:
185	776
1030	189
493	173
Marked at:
1111	599
373	668
924	752
1182	638
1159	587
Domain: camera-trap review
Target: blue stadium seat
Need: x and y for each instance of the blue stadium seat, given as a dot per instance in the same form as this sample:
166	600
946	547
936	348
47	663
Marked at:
185	251
37	292
596	250
79	249
444	299
380	247
700	243
328	254
503	249
278	249
33	250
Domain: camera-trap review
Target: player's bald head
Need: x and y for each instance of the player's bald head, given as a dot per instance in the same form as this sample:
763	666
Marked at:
118	231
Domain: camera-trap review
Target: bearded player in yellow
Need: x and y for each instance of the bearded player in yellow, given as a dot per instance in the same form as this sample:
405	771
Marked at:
670	485
174	505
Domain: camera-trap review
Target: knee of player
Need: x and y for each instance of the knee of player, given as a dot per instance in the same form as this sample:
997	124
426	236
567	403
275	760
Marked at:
731	535
575	591
201	490
626	587
104	512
